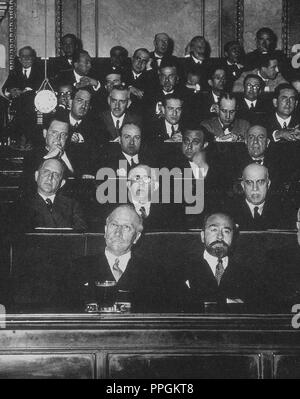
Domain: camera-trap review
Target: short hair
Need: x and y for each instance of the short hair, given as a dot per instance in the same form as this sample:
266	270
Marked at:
168	64
70	36
78	53
120	87
268	31
161	33
227	96
119	48
85	88
207	137
62	164
253	76
131	208
171	97
141	49
131	124
207	47
264	59
215	68
256	125
28	48
227	215
283	86
230	44
61	116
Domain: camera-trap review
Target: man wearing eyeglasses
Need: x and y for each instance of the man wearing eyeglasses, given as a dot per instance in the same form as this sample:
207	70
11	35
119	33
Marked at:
252	106
258	209
118	261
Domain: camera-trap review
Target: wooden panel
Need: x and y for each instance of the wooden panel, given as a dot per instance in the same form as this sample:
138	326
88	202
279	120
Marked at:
287	366
71	366
228	21
183	366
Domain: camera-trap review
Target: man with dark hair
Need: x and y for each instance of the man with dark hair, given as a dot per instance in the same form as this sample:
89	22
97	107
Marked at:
80	76
162	54
209	275
132	274
198	59
283	124
266	42
225	126
233	62
117	63
70	44
252	105
267	70
118	113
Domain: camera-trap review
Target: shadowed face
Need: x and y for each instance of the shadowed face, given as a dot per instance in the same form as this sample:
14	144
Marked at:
68	46
255	183
227	110
264	42
173	111
218	80
199	48
26	58
161	43
83	65
234	53
81	104
131	139
271	71
111	80
286	103
217	235
121	231
64	96
139	61
168	78
251	88
49	177
257	141
192	143
57	134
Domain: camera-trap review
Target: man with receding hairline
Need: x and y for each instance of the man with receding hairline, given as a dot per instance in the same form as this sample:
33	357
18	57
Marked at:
119	263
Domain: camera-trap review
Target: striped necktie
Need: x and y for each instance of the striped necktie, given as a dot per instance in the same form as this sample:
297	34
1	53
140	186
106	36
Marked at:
116	269
219	271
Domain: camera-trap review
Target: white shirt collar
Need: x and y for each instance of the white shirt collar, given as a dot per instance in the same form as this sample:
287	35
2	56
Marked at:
135	158
136	75
196	60
157	56
251	206
282	121
213	261
169	128
77	76
120	119
67	162
199	173
248	102
123	260
28	71
138	206
51	197
264	79
168	92
73	121
216	98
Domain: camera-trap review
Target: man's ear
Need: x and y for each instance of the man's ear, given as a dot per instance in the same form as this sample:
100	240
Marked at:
210	82
275	102
108	100
202	236
269	183
205	145
36	174
268	142
163	109
63	182
137	237
243	185
128	103
45	133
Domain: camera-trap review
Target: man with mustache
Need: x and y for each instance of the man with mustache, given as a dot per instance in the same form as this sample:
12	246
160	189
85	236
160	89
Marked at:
212	274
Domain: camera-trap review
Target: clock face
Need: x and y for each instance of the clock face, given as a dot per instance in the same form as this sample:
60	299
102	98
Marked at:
45	101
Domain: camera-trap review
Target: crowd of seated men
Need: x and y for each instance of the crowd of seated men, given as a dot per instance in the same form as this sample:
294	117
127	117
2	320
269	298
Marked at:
158	143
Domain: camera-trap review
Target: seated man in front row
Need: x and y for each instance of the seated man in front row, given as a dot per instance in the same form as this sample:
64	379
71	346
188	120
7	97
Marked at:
257	209
225	126
210	274
118	262
47	208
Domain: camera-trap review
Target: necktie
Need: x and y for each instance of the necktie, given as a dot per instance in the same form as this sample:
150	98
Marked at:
252	106
25	73
49	204
116	269
133	164
284	125
256	213
143	212
118	127
219	271
173	130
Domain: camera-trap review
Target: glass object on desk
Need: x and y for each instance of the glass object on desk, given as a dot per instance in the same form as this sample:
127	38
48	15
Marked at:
106	295
123	301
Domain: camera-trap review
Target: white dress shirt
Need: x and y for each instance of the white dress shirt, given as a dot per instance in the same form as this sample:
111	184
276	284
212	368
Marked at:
213	261
169	128
251	207
129	158
139	205
199	173
196	61
50	197
123	261
248	102
121	119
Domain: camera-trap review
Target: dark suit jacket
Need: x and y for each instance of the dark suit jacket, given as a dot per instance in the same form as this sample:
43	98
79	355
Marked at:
141	278
233	72
156	132
167	59
252	61
202	69
203	287
257	114
16	79
275	215
109	126
213	125
272	123
67	77
33	212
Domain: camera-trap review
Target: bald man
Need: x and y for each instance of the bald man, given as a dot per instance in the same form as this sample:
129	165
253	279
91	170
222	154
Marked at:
257	209
118	262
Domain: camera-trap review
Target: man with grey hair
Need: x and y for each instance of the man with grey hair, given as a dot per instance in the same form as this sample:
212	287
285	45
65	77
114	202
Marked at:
120	264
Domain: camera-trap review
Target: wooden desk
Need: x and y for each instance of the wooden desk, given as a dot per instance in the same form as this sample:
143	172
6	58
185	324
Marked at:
149	346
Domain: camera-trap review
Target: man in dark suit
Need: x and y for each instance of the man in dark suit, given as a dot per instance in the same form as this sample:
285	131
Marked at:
210	276
80	75
162	54
48	208
168	127
252	104
118	113
198	59
258	209
118	62
284	124
226	127
233	62
266	42
20	87
137	277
